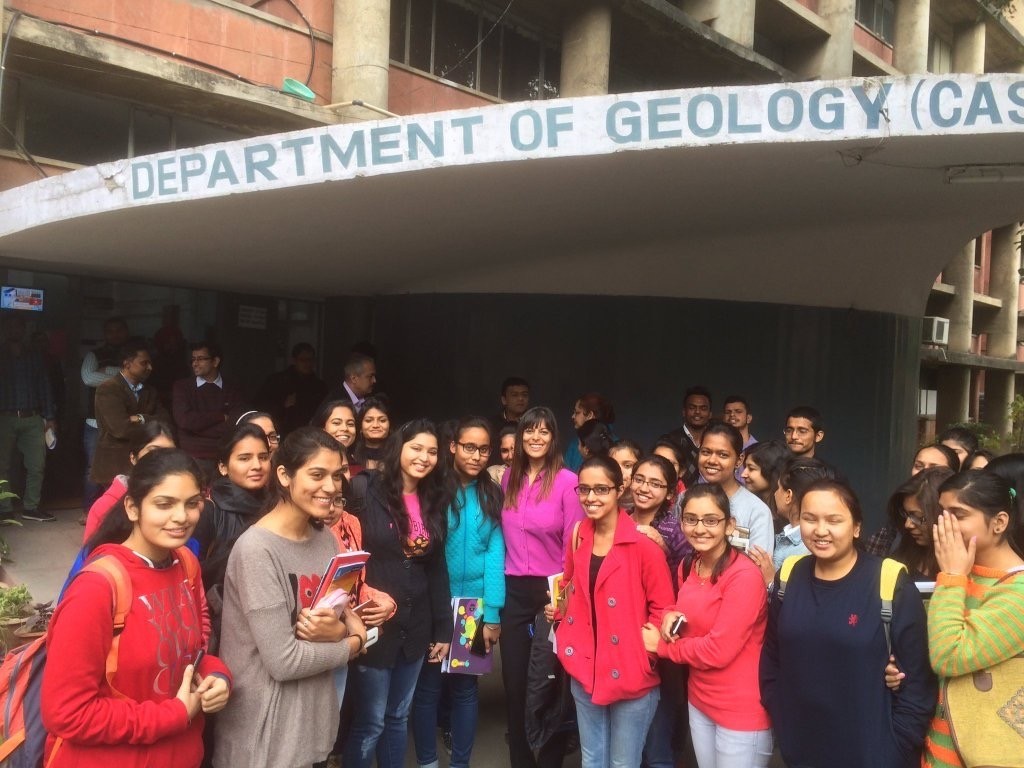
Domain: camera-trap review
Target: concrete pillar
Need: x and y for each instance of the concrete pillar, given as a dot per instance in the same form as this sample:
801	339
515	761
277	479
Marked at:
999	386
960	274
969	48
586	49
360	55
910	43
735	20
835	57
952	402
1004	284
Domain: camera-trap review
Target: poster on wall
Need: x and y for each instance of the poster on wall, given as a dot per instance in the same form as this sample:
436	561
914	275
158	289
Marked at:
29	299
252	317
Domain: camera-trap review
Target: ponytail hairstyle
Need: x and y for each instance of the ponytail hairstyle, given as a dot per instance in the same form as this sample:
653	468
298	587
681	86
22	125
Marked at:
595	437
607	465
227	445
151	470
538	416
141	435
924	489
488	493
428	489
987	491
721	500
296	451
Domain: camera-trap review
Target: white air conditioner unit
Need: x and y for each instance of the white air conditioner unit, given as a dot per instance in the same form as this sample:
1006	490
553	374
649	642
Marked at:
935	331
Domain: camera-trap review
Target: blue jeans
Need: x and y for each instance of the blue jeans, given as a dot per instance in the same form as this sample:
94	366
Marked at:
90	490
718	747
463	715
382	699
613	735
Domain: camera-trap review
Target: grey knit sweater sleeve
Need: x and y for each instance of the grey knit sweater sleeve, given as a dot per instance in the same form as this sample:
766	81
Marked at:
259	569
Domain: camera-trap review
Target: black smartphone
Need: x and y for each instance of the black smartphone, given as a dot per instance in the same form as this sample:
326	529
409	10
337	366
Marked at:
677	625
478	647
199	657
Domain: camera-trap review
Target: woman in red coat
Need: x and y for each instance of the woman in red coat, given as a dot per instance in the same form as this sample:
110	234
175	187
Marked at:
149	711
618	581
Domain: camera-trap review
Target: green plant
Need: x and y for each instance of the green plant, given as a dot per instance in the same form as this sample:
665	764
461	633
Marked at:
1017	417
5	549
14	601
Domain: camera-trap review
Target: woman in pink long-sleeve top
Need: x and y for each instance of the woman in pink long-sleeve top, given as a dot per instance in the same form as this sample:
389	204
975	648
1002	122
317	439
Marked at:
541	509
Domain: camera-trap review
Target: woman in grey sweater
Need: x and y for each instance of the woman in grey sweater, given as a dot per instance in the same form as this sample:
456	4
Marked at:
284	708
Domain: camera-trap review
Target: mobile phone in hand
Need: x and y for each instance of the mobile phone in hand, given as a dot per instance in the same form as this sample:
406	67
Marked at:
677	625
362	607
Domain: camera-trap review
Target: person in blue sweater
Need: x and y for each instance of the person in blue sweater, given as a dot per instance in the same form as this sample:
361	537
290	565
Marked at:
475	551
825	649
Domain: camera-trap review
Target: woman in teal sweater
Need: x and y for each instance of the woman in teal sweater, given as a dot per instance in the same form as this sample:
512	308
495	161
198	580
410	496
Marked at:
475	551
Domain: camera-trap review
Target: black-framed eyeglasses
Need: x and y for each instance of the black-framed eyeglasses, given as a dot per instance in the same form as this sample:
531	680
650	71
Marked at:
274	438
599	490
690	521
654	485
338	501
471	448
918	521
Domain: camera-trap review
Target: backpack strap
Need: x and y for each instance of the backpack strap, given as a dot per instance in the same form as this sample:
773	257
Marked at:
784	573
891	570
113	570
190	563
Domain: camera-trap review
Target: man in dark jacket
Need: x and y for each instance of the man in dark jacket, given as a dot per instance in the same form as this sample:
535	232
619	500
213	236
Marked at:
205	406
122	402
291	396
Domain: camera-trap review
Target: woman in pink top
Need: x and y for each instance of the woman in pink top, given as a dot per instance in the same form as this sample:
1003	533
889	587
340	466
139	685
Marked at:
541	509
723	599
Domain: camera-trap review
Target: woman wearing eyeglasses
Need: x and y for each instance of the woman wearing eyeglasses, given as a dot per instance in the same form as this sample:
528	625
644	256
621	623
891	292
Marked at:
475	552
618	582
537	519
717	628
913	510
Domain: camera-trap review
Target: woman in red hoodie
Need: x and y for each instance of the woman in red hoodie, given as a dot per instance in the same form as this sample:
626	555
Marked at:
618	581
149	710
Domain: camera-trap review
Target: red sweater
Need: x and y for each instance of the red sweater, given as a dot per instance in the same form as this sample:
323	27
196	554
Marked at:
145	725
721	642
632	588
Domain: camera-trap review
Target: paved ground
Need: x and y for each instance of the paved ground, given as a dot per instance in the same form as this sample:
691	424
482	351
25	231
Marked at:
42	553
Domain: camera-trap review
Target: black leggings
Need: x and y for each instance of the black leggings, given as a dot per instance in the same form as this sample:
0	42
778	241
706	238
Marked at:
525	596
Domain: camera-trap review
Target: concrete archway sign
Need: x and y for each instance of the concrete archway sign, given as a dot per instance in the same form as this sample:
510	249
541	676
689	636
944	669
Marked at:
817	180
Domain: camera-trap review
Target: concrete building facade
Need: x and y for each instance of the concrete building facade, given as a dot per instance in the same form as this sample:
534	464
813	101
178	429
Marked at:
92	81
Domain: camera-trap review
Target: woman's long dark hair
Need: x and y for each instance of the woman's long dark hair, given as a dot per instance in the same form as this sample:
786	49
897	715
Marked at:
428	489
533	418
924	489
242	431
142	435
488	493
147	474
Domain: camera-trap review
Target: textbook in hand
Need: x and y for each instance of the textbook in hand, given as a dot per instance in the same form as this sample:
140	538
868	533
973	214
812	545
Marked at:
338	586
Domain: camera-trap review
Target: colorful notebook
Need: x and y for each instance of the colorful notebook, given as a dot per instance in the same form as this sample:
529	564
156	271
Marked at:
338	585
468	613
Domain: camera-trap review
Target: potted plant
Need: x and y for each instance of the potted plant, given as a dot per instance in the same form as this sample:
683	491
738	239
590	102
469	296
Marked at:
5	549
36	624
14	603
